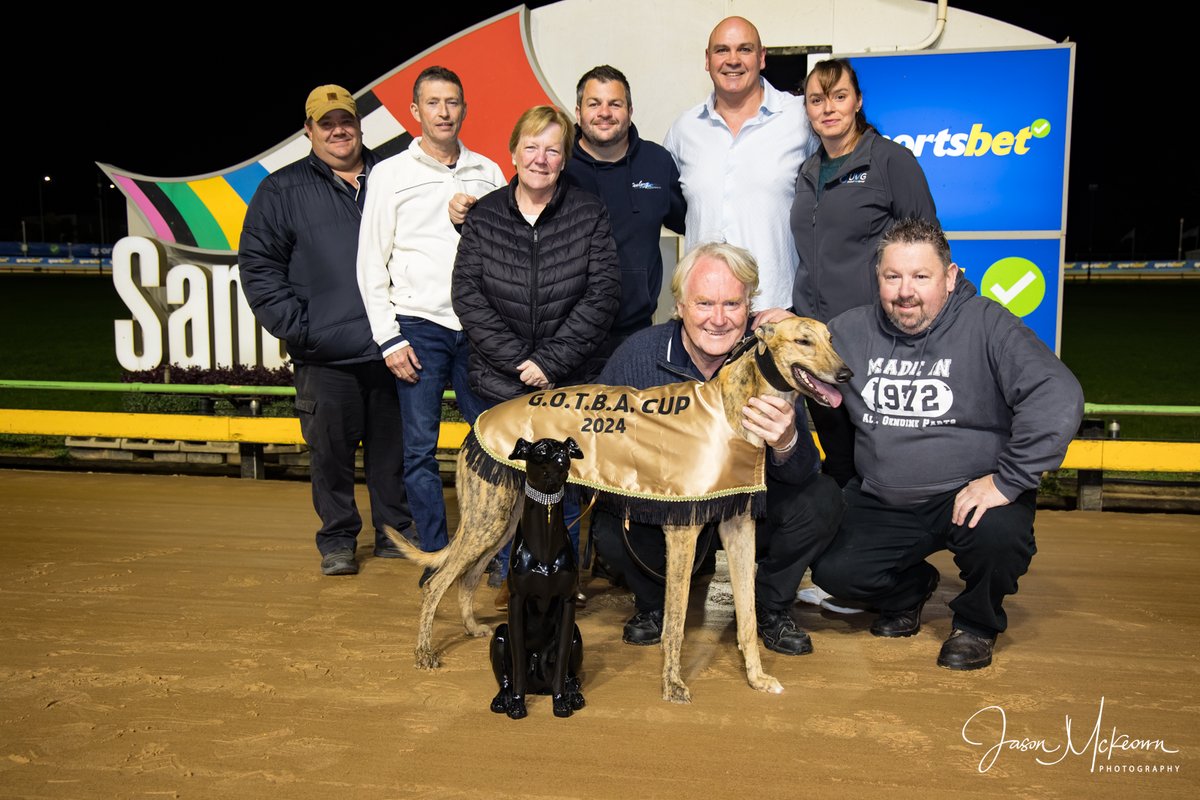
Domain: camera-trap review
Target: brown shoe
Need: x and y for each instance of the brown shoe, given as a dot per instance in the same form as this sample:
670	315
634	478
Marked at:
501	600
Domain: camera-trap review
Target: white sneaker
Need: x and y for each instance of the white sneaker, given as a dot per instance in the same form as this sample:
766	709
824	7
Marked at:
816	596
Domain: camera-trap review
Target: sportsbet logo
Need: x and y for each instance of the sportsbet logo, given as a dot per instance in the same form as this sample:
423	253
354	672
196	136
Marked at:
976	142
1015	283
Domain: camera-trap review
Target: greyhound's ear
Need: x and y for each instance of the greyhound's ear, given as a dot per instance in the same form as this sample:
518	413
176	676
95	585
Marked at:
763	333
573	448
521	451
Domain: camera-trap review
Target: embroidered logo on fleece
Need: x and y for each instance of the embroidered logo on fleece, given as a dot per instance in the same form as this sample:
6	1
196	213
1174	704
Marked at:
646	185
856	177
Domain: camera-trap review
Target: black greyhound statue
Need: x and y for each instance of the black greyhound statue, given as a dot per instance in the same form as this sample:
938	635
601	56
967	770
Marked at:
539	650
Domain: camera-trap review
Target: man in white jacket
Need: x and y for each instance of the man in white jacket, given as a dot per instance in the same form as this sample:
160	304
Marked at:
406	250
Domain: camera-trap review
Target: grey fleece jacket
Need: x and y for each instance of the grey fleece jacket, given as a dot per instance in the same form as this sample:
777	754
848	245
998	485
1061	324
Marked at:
974	393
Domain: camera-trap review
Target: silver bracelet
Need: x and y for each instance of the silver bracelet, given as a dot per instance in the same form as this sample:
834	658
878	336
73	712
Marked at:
791	444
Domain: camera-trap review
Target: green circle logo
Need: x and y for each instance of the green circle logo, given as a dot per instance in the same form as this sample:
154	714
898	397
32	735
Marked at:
1015	283
1040	128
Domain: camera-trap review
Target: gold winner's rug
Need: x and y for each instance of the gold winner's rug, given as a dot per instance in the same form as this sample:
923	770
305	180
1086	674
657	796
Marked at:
665	455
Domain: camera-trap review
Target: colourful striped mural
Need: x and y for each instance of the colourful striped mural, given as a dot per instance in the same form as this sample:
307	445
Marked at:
493	59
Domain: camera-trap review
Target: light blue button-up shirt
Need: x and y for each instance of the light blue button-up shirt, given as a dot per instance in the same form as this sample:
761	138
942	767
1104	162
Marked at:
740	189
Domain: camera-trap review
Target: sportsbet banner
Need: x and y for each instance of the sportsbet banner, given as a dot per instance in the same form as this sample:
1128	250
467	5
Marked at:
991	131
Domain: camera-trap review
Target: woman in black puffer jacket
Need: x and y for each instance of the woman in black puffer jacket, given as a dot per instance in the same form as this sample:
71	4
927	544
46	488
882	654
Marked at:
536	282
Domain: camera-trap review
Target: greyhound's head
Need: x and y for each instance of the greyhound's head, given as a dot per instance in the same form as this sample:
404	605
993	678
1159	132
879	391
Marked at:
547	462
801	352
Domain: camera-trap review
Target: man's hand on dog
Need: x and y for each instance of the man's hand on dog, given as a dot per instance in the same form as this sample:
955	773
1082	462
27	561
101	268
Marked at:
531	375
772	419
404	364
976	498
770	315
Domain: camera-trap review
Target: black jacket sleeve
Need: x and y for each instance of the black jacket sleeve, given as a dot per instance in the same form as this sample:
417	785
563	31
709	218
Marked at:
264	253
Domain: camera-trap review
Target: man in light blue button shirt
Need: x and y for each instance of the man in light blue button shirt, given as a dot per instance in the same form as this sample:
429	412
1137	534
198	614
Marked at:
738	154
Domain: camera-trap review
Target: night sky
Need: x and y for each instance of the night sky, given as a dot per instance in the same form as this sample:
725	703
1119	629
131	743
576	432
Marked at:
81	94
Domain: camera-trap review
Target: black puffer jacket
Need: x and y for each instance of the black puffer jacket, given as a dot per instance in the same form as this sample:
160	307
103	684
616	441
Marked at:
297	263
546	292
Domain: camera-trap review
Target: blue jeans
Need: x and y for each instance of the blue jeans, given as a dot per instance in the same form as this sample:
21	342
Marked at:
443	356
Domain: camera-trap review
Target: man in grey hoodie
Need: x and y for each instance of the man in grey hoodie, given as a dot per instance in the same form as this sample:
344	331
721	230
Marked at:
958	408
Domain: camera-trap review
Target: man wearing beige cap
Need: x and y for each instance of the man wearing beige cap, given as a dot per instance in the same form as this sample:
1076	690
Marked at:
297	264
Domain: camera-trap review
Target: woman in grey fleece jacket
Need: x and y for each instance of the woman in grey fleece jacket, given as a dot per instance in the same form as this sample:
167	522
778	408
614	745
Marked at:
848	194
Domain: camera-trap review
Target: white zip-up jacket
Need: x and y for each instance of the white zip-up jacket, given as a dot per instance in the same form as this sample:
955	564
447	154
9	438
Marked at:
407	244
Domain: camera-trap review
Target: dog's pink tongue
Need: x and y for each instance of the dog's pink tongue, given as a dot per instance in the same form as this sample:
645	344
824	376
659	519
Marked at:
828	393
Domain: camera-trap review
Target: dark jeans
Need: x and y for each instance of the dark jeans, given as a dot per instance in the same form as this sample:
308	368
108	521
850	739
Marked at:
878	557
443	356
800	523
340	406
836	434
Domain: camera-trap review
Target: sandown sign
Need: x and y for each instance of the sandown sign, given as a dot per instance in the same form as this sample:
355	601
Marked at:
181	286
205	212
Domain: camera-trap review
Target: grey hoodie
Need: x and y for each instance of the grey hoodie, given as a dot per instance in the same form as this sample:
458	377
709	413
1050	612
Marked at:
974	393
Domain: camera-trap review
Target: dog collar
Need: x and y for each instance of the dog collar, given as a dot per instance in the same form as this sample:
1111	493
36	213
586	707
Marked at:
542	497
766	364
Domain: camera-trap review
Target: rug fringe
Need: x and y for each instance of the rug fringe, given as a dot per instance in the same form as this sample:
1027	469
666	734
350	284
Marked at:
696	512
488	468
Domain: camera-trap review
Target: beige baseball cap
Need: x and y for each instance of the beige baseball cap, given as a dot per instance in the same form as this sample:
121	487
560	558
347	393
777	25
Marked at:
329	97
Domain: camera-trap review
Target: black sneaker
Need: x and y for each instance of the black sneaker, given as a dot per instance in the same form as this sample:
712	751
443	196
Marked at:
387	549
780	634
644	628
339	562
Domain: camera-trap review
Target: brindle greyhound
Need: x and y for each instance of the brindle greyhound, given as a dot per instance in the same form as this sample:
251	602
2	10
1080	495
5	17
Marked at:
793	354
539	650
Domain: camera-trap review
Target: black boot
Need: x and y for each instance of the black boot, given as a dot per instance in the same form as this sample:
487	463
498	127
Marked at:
780	634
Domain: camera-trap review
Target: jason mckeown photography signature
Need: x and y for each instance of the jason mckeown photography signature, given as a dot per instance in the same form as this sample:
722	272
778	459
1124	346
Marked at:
980	731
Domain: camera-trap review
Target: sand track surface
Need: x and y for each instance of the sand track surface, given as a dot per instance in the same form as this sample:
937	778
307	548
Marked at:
173	637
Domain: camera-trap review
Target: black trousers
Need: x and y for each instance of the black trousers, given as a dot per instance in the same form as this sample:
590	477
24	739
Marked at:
340	406
878	556
800	523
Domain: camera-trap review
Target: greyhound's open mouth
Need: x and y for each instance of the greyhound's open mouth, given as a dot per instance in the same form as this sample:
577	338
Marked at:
819	390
